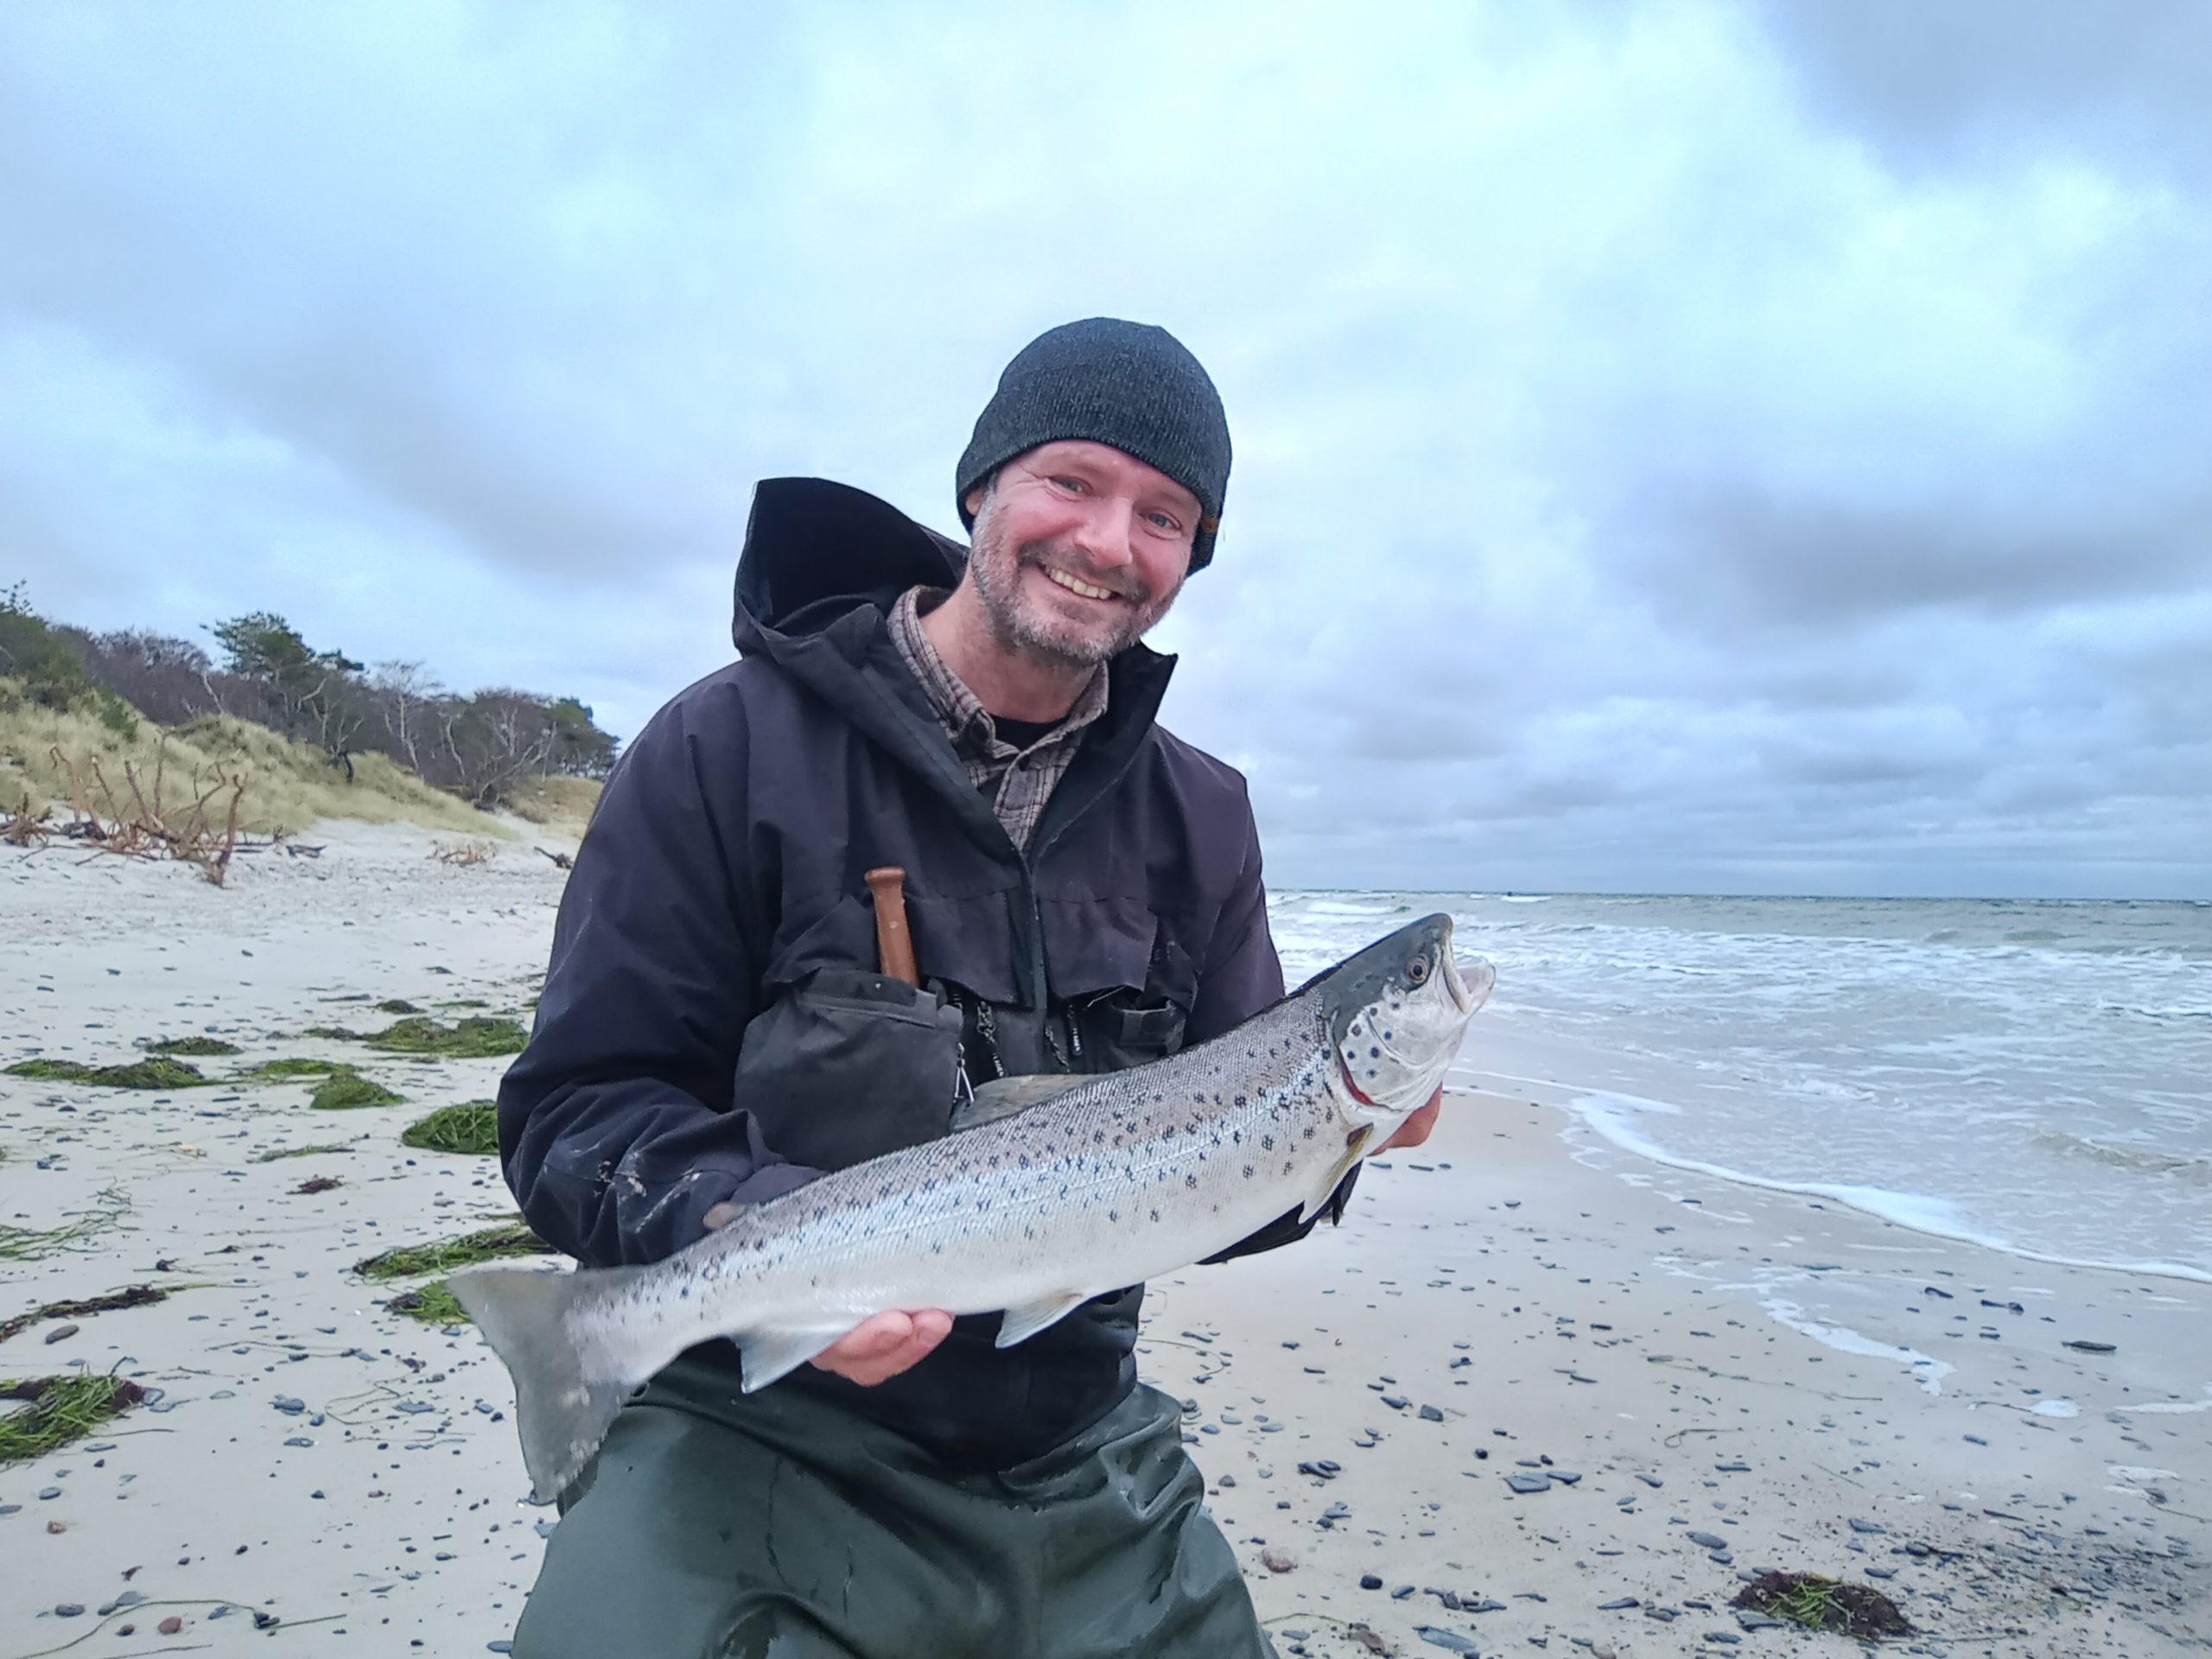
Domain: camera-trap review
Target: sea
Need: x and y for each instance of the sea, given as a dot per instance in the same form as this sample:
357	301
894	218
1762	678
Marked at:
2032	1075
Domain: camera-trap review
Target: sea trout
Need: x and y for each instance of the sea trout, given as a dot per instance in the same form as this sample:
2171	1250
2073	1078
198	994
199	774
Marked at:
1110	1180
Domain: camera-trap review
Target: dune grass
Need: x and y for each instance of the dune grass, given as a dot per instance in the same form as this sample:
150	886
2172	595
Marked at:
288	785
442	1255
563	806
58	1410
472	1127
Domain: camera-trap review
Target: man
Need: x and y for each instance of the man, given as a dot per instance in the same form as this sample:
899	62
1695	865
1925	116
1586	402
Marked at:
1082	890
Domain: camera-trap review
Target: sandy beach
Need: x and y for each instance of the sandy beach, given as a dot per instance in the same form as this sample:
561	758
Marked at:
1689	1380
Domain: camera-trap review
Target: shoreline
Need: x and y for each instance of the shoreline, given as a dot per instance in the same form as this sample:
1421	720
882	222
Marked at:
321	1461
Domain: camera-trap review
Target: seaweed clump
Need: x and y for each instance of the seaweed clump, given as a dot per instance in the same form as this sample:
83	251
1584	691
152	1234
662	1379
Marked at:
137	1296
432	1304
476	1036
60	1410
281	1071
488	1244
197	1048
472	1126
1819	1604
138	1074
343	1091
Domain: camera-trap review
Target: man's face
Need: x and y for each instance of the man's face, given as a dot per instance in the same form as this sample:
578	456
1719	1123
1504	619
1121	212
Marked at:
1078	550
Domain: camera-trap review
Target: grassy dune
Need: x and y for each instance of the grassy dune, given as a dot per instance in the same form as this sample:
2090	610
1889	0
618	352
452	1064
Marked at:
288	785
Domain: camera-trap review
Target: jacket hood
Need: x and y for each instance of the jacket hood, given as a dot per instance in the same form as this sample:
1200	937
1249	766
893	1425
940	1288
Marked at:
814	549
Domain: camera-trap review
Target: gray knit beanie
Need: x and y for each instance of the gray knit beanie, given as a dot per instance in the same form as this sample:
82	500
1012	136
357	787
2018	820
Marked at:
1125	384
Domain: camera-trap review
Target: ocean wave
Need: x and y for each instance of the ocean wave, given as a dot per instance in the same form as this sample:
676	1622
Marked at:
2148	1160
1918	1211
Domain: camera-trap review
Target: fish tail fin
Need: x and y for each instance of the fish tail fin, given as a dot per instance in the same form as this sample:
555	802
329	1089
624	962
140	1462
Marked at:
561	1411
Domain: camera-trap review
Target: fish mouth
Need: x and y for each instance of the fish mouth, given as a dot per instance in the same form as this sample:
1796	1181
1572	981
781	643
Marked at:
1468	981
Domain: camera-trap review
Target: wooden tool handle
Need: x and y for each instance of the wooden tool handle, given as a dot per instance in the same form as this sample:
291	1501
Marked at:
894	946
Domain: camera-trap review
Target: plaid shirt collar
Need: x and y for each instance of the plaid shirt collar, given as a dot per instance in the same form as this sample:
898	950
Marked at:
1023	787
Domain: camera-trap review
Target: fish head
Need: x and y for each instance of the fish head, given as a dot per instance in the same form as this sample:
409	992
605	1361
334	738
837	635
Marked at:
1396	1012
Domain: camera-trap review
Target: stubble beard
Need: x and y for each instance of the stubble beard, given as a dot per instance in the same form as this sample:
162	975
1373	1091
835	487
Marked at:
997	573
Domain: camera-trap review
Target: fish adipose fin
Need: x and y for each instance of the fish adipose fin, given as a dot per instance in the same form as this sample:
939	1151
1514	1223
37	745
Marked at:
561	1415
771	1354
1020	1324
1009	1096
1355	1146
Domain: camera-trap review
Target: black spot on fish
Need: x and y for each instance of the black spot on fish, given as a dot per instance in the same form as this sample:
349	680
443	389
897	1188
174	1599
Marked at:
1190	1180
1248	1171
1267	1143
1155	1215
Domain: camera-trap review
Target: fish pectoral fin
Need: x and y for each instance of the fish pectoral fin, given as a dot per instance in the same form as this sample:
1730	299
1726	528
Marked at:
1020	1324
1355	1147
1006	1096
770	1354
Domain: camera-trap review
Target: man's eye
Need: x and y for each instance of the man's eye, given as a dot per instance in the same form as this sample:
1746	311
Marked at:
1163	521
1072	486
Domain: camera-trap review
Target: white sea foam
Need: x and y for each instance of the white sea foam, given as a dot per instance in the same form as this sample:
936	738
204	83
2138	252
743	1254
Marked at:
1926	1368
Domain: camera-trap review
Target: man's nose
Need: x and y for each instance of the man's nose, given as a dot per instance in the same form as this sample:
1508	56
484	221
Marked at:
1107	530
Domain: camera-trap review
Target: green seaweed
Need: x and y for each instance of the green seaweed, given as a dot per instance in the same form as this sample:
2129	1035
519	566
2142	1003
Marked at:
279	1071
139	1074
1822	1604
59	1410
432	1304
476	1036
302	1152
397	1005
198	1047
333	1034
137	1296
472	1126
487	1244
345	1091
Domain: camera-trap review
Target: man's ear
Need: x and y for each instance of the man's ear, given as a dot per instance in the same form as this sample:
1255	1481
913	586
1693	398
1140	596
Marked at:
974	502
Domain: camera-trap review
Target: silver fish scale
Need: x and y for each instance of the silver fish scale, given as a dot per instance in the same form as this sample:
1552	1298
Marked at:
1136	1174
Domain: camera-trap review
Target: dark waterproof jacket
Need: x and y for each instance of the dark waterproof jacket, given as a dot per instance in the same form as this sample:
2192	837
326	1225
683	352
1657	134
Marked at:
713	1025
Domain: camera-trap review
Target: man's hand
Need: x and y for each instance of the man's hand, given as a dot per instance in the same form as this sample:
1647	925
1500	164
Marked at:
884	1344
879	1347
1415	1129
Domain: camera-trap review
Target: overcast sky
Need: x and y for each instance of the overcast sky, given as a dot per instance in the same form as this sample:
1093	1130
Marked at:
1678	447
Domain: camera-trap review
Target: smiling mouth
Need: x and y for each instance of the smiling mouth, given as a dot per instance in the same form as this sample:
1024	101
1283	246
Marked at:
1076	585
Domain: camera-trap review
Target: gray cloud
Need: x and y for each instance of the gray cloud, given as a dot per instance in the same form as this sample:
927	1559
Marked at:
1705	446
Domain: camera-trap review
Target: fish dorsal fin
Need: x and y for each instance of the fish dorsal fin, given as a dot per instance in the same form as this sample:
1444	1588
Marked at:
1005	1096
1020	1324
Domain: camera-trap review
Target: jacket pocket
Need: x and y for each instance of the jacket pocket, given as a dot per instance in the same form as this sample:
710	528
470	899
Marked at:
1123	1025
845	1066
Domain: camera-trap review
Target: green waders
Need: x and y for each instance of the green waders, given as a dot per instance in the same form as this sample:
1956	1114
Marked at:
715	1525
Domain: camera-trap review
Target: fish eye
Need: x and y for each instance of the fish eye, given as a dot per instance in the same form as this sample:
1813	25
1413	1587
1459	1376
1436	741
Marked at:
1417	969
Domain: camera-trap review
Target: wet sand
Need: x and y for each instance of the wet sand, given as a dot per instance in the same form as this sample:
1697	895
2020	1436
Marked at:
1670	1361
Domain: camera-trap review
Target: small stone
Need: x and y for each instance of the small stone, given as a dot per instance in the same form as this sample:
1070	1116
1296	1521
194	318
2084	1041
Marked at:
1432	1414
1620	1605
1450	1641
1530	1484
57	1525
1402	1592
70	1610
1369	1581
1708	1540
1276	1560
48	1492
1652	1481
170	1625
2090	1347
59	1333
1860	1525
